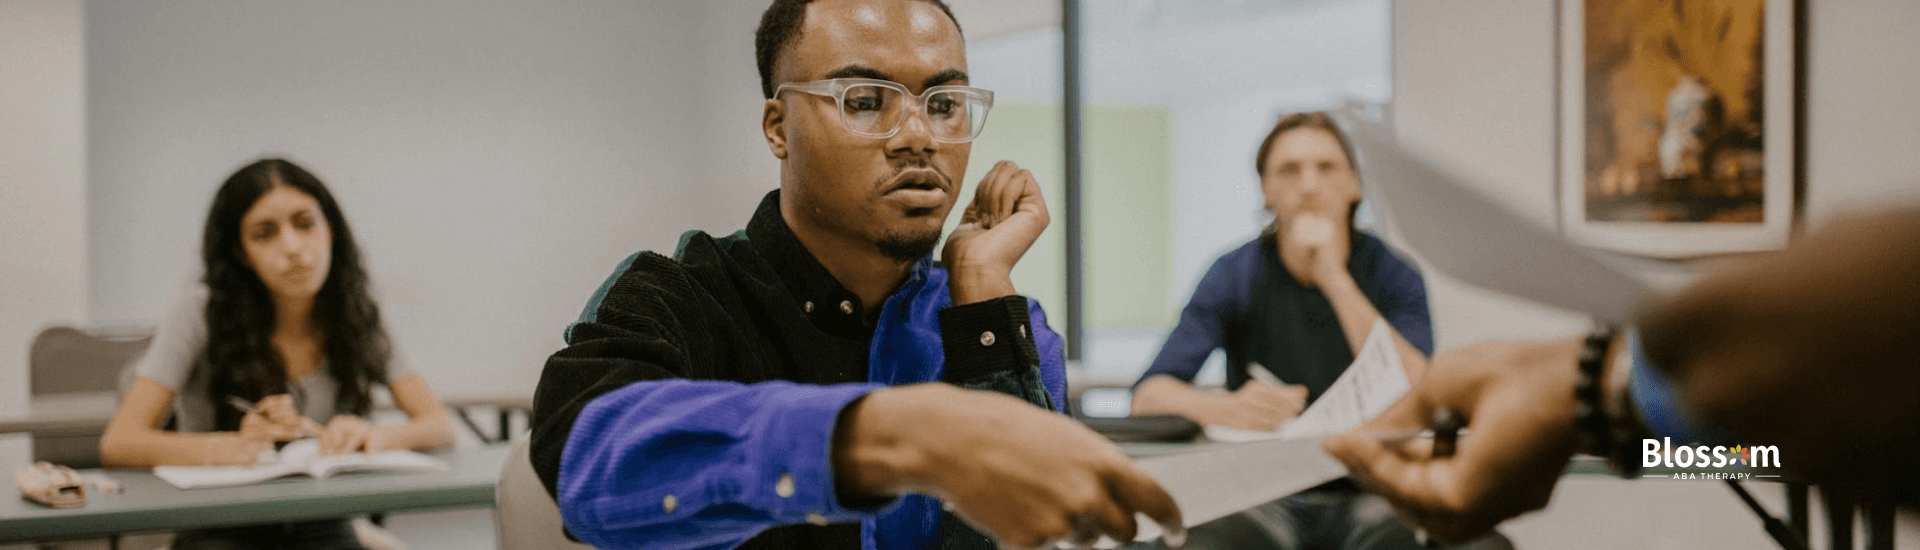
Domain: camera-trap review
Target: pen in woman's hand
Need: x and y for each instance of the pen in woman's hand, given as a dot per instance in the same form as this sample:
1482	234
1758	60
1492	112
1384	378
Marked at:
308	427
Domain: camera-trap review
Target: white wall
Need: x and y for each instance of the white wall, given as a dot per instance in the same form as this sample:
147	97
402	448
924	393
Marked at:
735	167
43	187
1862	128
1307	59
1474	83
496	158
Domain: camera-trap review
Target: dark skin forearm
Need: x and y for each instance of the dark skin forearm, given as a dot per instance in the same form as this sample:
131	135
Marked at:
1023	474
1812	350
1816	349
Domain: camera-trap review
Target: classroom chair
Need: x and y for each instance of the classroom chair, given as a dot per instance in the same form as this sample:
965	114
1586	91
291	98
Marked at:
526	516
68	360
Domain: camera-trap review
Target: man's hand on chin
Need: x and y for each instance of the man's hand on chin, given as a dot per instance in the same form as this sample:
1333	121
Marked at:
1315	247
1005	217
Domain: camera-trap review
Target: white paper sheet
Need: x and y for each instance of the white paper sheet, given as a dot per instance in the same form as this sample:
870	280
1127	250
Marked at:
297	458
1373	381
1471	237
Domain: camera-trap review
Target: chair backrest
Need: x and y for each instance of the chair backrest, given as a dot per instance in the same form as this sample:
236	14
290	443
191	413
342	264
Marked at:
70	360
526	515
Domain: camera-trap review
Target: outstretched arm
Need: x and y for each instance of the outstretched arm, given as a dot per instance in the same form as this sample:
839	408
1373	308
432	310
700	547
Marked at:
1810	350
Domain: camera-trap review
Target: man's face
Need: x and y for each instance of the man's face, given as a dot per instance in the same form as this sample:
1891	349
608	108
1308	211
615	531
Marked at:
1308	172
891	193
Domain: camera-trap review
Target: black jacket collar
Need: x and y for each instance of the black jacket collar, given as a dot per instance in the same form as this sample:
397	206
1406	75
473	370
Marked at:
816	288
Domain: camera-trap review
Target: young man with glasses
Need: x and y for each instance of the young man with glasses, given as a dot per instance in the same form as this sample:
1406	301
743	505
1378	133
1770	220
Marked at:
781	387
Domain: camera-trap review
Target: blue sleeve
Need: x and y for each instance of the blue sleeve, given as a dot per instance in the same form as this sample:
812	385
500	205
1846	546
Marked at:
1402	300
1202	325
1653	398
694	464
1053	356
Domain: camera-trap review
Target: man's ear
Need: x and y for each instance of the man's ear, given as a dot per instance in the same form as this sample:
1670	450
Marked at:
773	122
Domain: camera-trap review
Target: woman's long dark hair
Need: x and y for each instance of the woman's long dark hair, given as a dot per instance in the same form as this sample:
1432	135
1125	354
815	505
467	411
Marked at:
239	359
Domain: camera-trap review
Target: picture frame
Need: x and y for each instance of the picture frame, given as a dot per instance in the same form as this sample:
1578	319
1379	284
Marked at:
1681	124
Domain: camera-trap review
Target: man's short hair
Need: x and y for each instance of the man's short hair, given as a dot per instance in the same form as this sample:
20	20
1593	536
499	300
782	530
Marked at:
1297	121
780	26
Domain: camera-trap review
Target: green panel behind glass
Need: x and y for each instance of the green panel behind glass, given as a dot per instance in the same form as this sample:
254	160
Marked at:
1128	201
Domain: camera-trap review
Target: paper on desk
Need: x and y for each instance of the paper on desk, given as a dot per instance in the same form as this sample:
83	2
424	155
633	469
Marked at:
1373	381
1465	234
300	457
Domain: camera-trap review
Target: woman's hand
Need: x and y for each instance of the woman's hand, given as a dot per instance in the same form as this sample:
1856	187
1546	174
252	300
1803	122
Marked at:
348	433
274	419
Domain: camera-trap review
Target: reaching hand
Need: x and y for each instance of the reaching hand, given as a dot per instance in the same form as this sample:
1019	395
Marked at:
1256	406
347	433
1005	218
1026	476
1517	400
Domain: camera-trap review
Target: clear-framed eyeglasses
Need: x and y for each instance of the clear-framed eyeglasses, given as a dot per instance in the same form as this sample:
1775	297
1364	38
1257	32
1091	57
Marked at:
876	108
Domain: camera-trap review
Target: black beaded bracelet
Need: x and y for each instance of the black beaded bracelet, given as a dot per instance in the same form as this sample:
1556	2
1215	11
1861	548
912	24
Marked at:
1589	413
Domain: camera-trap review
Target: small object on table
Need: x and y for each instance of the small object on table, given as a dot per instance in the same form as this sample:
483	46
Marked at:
51	485
102	484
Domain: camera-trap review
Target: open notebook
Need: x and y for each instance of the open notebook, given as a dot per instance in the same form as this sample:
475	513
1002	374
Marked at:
297	458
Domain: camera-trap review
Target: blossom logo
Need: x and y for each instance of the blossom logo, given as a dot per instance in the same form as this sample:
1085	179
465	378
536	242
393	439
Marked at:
1703	462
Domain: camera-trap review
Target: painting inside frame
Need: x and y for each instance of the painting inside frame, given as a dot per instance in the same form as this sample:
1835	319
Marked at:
1677	134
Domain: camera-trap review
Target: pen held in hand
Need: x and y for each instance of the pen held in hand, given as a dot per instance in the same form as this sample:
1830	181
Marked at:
1445	435
308	427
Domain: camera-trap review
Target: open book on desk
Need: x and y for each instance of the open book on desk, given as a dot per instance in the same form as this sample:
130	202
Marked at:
1373	381
297	458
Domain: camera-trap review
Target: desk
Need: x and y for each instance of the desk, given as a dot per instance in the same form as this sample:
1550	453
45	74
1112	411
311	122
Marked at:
65	427
85	414
503	404
148	504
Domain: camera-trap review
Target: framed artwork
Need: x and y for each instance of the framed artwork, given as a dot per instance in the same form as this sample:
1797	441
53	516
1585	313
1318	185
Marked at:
1680	124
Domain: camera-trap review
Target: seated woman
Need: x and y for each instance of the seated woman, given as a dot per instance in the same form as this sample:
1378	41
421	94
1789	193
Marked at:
282	341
